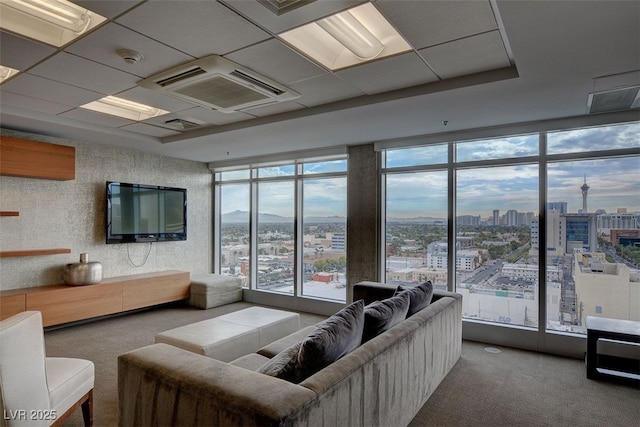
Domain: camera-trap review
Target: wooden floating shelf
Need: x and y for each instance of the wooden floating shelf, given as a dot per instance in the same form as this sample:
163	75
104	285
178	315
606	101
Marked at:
9	213
34	159
34	252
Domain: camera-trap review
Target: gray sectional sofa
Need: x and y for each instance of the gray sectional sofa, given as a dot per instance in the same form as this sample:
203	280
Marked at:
385	381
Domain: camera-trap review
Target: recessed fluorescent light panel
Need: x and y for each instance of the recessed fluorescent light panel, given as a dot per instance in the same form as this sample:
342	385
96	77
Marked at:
124	108
354	36
55	22
6	73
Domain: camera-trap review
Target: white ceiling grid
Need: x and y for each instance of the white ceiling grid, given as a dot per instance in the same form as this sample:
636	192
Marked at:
460	57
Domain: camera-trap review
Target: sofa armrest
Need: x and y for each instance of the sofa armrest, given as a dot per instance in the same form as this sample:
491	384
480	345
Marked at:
376	291
372	291
164	385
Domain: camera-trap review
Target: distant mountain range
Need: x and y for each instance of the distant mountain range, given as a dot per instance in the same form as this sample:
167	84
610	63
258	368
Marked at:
418	219
242	217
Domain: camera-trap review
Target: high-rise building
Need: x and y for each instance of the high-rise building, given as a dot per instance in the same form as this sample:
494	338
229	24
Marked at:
511	217
557	206
580	232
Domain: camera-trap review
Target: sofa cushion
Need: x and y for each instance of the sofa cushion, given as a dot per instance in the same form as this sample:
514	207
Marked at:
419	296
251	361
382	315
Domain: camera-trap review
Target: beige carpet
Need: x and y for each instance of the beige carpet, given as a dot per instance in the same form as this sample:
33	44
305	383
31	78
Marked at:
510	388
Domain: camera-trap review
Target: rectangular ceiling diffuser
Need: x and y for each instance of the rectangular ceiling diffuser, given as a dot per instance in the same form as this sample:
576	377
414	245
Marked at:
614	100
218	83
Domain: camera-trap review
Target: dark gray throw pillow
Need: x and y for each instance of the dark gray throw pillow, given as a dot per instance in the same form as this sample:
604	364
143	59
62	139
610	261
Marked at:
419	296
284	364
337	336
382	315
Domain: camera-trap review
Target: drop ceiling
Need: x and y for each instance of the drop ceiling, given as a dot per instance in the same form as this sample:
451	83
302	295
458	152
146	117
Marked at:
472	64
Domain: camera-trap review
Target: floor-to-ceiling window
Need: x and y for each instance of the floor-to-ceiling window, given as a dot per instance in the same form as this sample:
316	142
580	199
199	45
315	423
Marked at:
281	227
496	265
324	226
234	202
545	225
593	231
415	238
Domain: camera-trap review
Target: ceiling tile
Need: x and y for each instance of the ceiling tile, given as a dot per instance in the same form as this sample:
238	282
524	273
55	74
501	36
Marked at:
466	56
101	46
150	130
278	62
108	9
324	89
30	103
185	25
389	74
96	118
280	107
49	90
71	69
428	23
19	53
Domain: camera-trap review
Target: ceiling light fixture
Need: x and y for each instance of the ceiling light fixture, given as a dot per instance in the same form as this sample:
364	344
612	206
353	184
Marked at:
124	108
65	15
55	22
6	73
350	32
351	37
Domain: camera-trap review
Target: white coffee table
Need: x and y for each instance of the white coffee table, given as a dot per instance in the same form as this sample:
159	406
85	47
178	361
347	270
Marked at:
232	335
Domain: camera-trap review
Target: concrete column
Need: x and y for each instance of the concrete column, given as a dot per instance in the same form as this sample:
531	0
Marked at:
363	218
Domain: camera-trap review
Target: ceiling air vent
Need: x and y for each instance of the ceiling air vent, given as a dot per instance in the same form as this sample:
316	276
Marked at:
181	124
283	6
614	100
181	76
216	82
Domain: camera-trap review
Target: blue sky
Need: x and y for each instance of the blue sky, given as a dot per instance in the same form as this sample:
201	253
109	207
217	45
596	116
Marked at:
614	183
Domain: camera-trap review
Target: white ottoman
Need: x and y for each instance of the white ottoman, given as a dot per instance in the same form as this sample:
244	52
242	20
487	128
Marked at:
232	335
271	324
213	338
213	290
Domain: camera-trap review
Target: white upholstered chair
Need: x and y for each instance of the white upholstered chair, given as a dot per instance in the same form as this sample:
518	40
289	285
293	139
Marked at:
36	390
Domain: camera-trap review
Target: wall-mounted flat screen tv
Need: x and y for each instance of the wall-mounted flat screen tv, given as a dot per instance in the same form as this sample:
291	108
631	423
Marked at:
138	213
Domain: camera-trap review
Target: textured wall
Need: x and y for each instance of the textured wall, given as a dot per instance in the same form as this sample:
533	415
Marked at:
71	214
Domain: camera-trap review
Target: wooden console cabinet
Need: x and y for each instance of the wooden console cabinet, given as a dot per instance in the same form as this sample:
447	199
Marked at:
63	303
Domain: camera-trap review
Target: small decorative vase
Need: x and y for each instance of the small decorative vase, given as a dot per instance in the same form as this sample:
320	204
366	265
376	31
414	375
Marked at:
83	272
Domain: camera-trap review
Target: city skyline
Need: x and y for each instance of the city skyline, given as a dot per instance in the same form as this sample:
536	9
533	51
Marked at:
611	188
